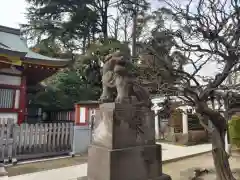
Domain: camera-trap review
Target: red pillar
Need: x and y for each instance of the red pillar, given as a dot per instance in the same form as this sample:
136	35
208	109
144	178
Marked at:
22	99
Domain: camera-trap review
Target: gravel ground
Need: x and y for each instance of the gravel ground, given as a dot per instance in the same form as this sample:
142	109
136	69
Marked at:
174	169
45	165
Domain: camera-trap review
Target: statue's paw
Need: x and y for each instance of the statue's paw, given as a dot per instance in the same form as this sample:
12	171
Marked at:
118	100
104	99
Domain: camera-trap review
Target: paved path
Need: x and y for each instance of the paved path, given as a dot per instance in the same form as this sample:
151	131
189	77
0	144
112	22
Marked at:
67	173
169	152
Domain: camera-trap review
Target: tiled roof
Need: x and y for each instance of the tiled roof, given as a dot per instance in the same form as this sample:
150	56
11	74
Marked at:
10	39
6	50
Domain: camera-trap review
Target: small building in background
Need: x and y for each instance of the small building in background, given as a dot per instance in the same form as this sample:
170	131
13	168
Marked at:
181	126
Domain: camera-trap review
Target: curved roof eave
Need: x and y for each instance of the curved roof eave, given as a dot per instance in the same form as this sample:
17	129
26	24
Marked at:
4	50
62	63
13	41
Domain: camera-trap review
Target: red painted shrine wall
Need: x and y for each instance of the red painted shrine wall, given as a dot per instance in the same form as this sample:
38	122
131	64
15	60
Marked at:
22	101
84	113
18	96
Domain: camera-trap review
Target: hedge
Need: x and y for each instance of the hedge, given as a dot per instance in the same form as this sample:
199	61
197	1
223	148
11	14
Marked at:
234	130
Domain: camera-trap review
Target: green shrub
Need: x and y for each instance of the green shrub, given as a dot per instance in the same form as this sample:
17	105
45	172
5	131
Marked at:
234	130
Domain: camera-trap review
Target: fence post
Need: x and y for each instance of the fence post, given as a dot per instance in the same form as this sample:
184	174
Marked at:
36	138
41	137
67	138
54	136
49	138
7	141
2	140
58	137
16	138
26	138
71	134
31	137
62	136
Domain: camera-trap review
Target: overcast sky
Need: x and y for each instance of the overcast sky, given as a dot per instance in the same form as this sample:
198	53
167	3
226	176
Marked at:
14	11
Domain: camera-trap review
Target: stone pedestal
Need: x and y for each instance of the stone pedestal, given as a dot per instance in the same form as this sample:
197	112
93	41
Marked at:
123	145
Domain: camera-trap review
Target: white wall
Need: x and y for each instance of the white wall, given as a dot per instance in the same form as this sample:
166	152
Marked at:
11	70
10	80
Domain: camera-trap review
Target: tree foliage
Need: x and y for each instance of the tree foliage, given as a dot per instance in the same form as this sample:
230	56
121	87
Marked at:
66	21
51	49
234	130
74	23
67	86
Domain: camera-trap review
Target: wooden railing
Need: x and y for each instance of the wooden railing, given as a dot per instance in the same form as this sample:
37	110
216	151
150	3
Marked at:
68	115
35	140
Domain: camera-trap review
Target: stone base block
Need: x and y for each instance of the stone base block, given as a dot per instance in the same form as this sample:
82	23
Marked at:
134	163
119	126
162	177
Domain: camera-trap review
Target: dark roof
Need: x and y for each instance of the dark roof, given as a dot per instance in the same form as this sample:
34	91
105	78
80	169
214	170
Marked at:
10	30
11	40
6	50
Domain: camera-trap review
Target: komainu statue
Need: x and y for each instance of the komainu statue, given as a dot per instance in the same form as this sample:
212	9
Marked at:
108	78
117	77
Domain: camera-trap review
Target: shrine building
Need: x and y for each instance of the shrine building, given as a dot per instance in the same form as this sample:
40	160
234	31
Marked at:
20	70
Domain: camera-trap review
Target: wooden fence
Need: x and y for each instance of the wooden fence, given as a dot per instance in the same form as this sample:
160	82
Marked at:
68	115
29	141
7	145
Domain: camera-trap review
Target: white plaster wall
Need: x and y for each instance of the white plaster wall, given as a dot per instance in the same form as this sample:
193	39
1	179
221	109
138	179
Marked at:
11	70
17	99
10	80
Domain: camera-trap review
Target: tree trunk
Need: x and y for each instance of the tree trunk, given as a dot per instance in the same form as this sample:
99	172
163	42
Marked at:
105	21
134	35
125	29
104	27
220	157
88	41
84	45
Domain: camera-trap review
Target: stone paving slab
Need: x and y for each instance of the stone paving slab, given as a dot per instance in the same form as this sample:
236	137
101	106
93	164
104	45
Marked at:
169	153
172	152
